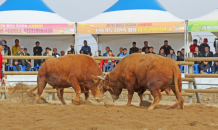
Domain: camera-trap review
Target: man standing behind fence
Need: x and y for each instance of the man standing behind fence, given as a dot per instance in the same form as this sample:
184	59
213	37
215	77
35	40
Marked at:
16	47
166	47
37	51
134	49
86	48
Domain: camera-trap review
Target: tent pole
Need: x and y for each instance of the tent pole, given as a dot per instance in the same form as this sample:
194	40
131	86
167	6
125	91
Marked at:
76	38
186	45
185	40
97	42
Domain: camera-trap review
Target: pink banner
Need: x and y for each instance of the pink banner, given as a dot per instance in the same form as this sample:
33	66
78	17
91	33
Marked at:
12	29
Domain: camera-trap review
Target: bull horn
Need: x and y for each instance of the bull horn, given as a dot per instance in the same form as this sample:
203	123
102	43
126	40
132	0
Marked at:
100	77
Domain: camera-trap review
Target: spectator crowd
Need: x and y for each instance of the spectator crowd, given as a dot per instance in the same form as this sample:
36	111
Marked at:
107	65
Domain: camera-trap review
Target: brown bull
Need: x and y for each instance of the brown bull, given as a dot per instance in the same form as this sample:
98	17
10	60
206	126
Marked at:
77	71
139	72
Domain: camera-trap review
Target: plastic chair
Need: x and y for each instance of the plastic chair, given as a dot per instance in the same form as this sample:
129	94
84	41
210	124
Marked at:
208	70
13	67
195	69
37	67
22	68
182	68
32	69
109	67
216	69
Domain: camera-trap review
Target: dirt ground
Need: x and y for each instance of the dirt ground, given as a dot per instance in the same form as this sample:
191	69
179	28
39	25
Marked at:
18	113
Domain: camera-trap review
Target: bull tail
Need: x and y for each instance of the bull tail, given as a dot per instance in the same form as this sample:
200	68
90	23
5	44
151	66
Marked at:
177	91
30	93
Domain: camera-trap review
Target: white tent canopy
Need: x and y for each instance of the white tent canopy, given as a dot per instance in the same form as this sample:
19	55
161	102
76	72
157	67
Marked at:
128	12
31	21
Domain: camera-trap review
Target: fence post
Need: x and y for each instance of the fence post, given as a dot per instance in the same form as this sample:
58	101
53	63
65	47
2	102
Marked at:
50	96
3	96
53	96
197	94
190	70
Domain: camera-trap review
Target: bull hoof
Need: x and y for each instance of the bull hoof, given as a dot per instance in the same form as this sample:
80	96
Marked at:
75	102
182	105
150	108
128	105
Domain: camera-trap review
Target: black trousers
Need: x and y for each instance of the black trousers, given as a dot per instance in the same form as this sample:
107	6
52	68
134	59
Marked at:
204	68
37	62
28	66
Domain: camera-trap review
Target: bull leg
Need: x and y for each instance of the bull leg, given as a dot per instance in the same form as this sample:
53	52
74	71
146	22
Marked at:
157	97
177	97
130	95
41	85
86	96
60	93
74	83
141	95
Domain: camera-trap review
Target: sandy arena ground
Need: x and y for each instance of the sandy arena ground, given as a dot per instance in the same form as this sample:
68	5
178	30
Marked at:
19	113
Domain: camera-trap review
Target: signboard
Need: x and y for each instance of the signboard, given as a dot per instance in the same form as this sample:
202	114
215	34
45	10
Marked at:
36	29
203	26
130	28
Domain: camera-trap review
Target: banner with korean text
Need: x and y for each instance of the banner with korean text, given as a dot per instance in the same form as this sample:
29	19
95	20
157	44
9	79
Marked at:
36	29
203	26
130	28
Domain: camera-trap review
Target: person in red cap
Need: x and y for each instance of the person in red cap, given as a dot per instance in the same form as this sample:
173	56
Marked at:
192	47
203	45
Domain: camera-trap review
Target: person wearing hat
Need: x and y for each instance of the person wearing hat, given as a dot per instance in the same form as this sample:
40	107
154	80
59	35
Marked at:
47	49
23	62
85	48
203	45
134	49
192	47
2	45
166	47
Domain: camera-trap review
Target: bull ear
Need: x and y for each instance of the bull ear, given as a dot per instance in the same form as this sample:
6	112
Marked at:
100	77
94	79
